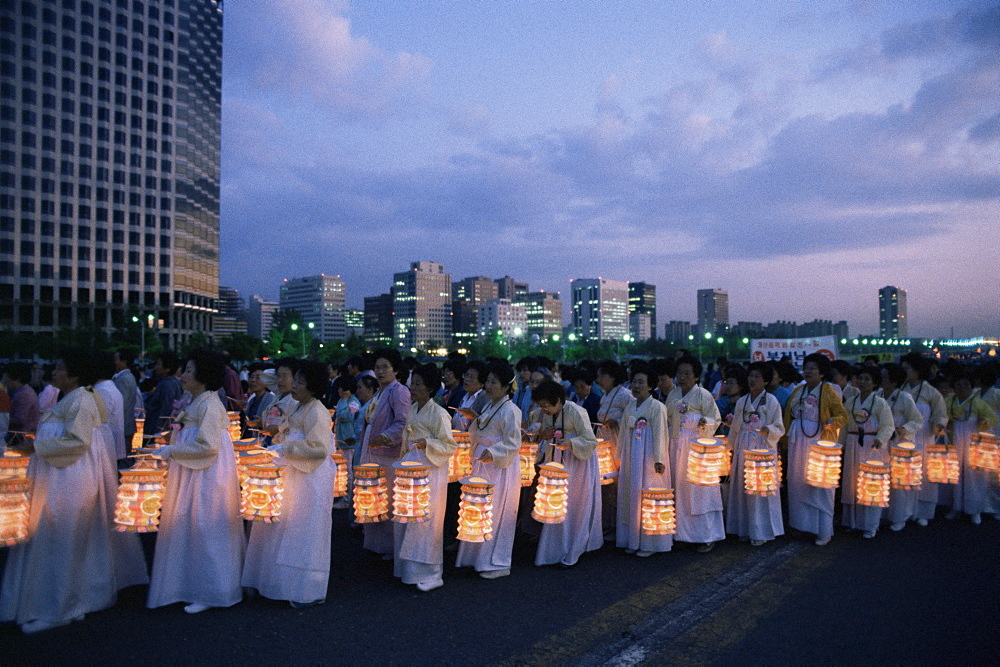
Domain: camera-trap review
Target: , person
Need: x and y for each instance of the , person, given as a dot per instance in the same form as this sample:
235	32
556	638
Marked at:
259	401
692	414
968	414
367	388
200	544
66	569
610	377
907	420
290	559
451	375
474	398
665	370
842	379
276	417
869	427
114	404
384	438
756	424
568	438
522	397
496	441
644	451
24	409
125	381
345	429
931	406
586	398
734	385
427	440
168	389
814	412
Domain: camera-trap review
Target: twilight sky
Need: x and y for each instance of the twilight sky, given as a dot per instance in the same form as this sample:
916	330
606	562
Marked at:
800	155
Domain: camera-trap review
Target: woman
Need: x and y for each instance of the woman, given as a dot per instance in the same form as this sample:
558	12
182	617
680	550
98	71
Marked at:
496	440
568	438
260	401
692	414
968	415
427	440
65	570
200	544
611	378
384	438
756	424
931	406
734	385
869	428
643	447
276	417
474	398
814	412
908	420
290	559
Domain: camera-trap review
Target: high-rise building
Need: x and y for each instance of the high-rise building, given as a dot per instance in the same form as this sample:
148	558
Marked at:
231	318
378	320
600	308
544	311
318	301
109	167
354	321
642	300
508	288
511	319
466	297
892	312
748	330
713	311
260	316
677	331
421	305
640	326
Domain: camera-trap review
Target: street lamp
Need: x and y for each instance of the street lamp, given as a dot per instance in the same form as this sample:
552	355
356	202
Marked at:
295	327
142	332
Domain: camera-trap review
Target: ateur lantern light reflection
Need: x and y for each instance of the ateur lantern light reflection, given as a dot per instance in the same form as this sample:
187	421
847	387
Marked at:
706	462
823	467
551	494
411	492
371	494
475	510
657	511
140	495
15	508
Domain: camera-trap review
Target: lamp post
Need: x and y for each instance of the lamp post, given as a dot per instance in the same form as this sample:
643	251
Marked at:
142	331
295	327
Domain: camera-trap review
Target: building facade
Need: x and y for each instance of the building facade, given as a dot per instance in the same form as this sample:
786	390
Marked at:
544	312
378	320
421	306
466	297
642	301
318	300
713	311
508	288
510	319
260	316
677	331
109	167
231	318
600	308
892	321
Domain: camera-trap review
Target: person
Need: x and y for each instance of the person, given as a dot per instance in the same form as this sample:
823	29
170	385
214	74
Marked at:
756	424
276	417
114	404
367	387
125	381
48	393
24	407
776	388
290	559
200	544
813	413
496	441
869	427
610	412
522	397
65	570
692	414
260	399
419	547
586	398
644	451
907	420
168	389
232	388
345	428
384	438
968	414
451	374
931	406
734	385
665	370
474	398
842	379
567	437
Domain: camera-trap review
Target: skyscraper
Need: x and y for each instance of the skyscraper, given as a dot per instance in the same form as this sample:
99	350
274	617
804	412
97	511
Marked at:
713	311
378	320
318	300
508	288
600	308
421	305
642	301
467	295
231	318
544	310
892	312
109	166
260	316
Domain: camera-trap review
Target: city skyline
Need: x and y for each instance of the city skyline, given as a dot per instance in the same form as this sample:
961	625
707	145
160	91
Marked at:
798	156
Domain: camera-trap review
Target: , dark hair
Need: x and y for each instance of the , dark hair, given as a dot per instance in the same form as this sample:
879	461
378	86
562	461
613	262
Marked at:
762	367
613	370
549	391
80	365
693	363
316	376
209	368
357	361
431	376
871	371
788	372
584	375
257	366
369	382
482	370
525	363
346	383
456	365
19	371
291	363
821	360
126	355
169	361
960	373
503	372
641	367
896	374
918	363
843	367
664	367
390	355
104	365
736	372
